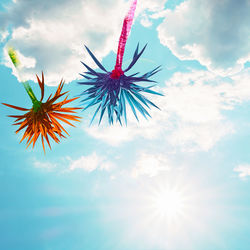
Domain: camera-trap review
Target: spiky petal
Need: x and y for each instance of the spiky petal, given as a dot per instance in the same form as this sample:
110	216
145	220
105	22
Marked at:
110	91
111	94
44	120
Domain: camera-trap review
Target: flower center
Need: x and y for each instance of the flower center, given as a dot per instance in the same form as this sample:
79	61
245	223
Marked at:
116	73
36	105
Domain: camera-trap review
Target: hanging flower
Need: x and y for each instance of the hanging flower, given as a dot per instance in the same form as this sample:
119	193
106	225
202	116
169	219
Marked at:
44	118
110	91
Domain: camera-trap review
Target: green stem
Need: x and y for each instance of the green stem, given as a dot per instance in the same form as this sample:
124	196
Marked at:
15	60
36	103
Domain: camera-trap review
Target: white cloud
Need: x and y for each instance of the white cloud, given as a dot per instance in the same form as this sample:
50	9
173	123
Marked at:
150	165
48	166
90	163
3	36
145	21
198	102
151	5
116	134
215	34
55	39
200	136
238	92
107	166
195	102
147	8
243	170
53	34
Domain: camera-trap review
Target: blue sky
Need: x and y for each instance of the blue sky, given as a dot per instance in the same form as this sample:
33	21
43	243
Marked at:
178	181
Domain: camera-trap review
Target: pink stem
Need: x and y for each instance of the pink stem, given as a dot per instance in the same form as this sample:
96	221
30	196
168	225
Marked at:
127	24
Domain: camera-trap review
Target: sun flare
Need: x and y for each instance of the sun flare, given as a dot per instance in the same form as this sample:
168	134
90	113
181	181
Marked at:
168	204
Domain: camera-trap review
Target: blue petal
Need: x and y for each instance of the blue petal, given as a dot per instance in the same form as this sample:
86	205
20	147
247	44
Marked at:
95	59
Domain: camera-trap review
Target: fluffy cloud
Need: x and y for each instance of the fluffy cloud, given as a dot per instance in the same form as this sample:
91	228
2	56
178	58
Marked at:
195	137
214	33
116	134
53	33
152	5
47	166
192	112
3	36
195	102
148	8
243	170
90	163
150	165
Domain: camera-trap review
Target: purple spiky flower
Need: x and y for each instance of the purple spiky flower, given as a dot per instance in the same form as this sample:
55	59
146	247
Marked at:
112	90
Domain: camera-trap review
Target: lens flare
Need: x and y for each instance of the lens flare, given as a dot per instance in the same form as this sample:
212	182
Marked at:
169	203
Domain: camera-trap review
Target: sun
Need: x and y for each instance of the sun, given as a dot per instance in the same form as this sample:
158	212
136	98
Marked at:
168	203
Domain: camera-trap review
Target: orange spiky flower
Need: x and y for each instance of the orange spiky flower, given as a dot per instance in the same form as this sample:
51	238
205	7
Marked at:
43	118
